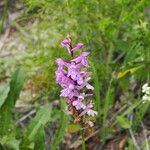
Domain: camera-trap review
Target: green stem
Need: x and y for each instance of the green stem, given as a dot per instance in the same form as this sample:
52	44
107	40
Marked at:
83	139
147	59
4	15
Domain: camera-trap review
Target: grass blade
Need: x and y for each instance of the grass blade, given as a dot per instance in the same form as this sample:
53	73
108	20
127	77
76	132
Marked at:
97	92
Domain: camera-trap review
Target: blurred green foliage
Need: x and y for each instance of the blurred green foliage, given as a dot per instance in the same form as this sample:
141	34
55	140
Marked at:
117	35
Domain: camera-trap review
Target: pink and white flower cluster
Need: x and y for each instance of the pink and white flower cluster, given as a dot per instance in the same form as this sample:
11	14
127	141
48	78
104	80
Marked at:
73	77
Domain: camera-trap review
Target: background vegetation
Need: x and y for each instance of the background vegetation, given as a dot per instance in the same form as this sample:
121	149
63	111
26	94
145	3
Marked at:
115	32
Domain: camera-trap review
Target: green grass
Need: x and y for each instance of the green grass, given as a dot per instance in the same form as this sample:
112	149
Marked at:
116	33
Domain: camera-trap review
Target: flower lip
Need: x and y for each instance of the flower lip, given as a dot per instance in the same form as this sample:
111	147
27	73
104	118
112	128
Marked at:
78	104
85	53
88	111
79	45
81	60
59	61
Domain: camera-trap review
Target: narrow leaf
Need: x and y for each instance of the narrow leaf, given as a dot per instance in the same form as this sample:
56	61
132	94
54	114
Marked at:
61	129
40	120
124	123
4	89
131	70
16	85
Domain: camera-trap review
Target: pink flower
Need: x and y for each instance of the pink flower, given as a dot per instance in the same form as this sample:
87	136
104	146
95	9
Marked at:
73	71
62	79
60	62
88	110
88	86
68	91
77	46
83	95
91	112
78	104
65	42
85	84
82	59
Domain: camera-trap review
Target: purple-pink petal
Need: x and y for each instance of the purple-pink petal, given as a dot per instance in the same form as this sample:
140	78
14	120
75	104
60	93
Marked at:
78	104
82	59
65	42
79	45
90	87
91	112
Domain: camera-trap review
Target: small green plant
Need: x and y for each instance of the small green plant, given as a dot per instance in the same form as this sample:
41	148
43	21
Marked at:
8	100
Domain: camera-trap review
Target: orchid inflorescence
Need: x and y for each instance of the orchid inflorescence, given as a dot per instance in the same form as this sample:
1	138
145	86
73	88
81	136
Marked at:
73	77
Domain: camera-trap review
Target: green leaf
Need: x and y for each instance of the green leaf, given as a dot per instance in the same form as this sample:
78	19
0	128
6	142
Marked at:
105	23
124	123
40	140
10	141
128	110
4	89
139	114
133	106
132	53
72	128
108	100
58	137
130	70
122	45
35	136
13	144
40	120
16	85
31	146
